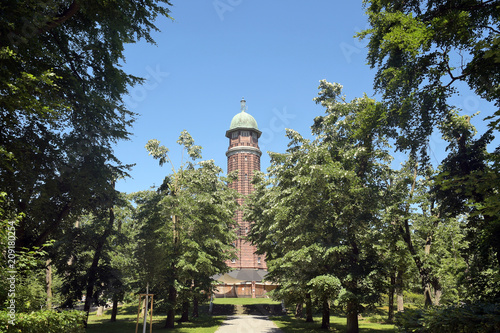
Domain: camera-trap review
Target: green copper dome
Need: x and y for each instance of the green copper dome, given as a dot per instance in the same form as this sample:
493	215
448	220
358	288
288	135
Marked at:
243	120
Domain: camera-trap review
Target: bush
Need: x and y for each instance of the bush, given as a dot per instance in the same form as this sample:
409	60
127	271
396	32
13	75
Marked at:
413	298
473	318
44	321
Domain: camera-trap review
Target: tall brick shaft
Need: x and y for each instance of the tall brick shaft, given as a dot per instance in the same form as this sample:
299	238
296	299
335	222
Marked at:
243	155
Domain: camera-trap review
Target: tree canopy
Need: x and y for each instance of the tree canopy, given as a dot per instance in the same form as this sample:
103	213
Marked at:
422	51
61	89
189	223
315	221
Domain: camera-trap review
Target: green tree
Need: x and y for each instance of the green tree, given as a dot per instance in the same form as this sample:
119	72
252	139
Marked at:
326	202
61	107
422	51
86	255
467	186
189	224
426	52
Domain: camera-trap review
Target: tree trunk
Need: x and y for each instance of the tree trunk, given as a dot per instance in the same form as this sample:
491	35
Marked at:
52	226
352	318
299	309
185	312
172	298
437	297
426	274
114	311
435	291
95	261
172	293
427	295
195	307
309	313
392	287
399	290
325	320
48	280
100	311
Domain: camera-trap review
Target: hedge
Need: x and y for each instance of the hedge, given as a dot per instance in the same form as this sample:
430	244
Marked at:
467	318
44	321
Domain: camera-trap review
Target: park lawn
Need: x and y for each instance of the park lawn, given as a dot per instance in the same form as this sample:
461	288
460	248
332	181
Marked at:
337	324
127	316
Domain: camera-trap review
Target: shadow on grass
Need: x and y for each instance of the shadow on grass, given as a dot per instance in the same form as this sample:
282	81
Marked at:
263	309
224	310
127	325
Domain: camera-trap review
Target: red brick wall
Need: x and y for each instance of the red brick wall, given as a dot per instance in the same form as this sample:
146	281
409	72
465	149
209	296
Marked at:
242	290
246	163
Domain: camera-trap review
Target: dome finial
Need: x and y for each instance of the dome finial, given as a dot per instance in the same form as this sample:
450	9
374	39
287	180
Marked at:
243	104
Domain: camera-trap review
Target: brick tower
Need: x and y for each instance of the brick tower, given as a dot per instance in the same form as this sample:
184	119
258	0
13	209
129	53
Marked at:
243	155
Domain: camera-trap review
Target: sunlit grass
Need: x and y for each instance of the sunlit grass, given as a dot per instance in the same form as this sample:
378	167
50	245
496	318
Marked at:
127	316
337	324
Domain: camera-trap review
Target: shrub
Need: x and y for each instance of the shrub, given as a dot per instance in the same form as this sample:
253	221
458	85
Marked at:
413	298
44	321
473	318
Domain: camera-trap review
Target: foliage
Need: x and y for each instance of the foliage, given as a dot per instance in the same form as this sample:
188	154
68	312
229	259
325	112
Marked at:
316	213
92	252
62	110
467	186
30	289
473	318
422	51
31	292
186	227
45	321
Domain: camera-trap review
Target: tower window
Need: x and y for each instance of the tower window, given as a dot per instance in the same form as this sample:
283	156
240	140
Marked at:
245	133
234	135
258	260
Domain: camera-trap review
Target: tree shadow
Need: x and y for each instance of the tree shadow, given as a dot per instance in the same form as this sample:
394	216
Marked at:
224	310
263	309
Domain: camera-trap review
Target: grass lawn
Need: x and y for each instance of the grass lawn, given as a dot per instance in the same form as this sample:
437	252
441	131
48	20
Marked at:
127	316
337	324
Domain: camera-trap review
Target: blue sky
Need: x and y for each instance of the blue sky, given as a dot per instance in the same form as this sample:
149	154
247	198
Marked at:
213	53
